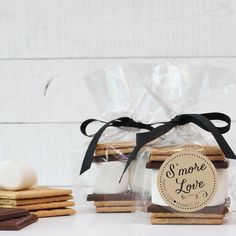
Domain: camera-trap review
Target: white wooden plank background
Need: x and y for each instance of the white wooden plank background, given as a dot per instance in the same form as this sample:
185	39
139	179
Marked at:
62	40
23	82
111	28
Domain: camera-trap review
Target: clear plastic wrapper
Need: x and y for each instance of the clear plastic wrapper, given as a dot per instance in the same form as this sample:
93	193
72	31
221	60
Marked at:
185	89
150	94
115	92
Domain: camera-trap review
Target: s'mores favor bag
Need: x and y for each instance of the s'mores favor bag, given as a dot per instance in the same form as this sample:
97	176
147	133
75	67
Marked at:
188	156
105	154
106	161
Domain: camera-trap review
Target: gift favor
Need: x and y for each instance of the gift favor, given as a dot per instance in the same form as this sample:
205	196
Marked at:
106	154
106	162
188	155
202	181
189	183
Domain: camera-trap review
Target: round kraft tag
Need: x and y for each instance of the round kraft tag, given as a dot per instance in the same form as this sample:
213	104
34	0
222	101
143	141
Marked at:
187	181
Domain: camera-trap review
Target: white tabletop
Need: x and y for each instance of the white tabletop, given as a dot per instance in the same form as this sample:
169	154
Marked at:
117	224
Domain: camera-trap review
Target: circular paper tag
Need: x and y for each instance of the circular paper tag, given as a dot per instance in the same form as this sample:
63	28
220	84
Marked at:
187	181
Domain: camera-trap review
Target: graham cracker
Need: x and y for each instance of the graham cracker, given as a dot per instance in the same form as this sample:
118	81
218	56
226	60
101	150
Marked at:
113	151
38	192
169	150
118	145
186	215
104	149
113	203
50	205
54	212
114	209
164	157
218	210
187	221
21	202
118	203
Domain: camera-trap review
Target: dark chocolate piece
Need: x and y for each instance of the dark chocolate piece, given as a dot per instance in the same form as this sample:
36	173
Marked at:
113	197
110	197
9	213
116	157
154	164
157	164
18	223
220	209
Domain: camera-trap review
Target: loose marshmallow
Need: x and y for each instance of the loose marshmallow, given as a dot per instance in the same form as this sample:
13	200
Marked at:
107	175
139	177
16	175
219	198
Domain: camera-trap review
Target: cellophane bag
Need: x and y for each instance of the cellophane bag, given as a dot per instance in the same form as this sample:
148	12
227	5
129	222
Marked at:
115	92
185	89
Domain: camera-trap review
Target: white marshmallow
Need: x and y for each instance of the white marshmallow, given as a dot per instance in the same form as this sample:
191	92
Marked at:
219	198
139	177
16	175
107	175
222	188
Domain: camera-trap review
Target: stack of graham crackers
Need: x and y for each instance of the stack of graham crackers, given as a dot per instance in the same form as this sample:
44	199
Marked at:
41	201
160	154
213	215
112	203
113	150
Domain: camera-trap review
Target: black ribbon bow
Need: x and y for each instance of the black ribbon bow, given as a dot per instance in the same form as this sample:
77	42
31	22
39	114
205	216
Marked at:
120	122
202	120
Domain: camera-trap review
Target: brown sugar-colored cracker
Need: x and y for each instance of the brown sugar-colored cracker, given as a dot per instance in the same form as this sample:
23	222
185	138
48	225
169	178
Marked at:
50	205
114	209
186	215
187	221
119	145
21	202
113	203
163	158
169	150
106	149
54	212
112	151
38	192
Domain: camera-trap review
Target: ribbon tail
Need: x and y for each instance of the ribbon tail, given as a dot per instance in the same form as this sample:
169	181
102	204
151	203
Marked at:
144	138
220	117
88	159
217	135
131	157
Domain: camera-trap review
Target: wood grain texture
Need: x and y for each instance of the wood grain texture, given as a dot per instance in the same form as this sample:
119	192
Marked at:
110	28
67	98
